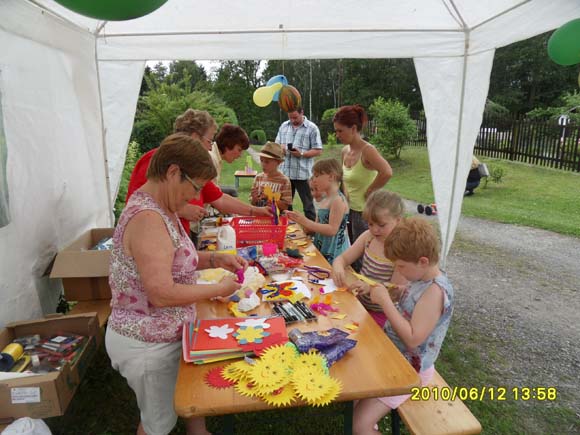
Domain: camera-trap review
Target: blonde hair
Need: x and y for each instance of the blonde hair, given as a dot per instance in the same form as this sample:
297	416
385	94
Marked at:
412	239
381	200
330	167
194	121
184	151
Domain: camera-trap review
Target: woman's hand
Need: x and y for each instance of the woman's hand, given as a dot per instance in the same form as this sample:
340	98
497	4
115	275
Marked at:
228	286
230	262
262	211
379	294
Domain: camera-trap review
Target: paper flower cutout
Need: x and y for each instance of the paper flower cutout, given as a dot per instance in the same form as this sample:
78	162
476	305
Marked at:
282	396
282	354
246	335
219	331
255	323
214	378
267	373
334	390
312	389
313	360
246	388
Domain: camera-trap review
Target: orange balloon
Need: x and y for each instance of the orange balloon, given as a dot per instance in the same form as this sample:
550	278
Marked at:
289	99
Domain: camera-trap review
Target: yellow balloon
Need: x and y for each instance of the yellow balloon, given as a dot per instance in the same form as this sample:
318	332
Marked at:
263	96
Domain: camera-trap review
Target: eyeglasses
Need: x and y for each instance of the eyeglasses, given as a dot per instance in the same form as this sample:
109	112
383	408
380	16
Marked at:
209	140
196	186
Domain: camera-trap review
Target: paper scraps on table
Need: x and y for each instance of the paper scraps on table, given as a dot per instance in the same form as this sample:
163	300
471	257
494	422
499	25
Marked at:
338	316
351	326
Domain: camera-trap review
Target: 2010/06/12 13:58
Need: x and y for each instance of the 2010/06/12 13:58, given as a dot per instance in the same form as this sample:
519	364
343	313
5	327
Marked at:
481	393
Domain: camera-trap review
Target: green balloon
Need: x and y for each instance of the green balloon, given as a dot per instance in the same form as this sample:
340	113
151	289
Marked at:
564	44
112	10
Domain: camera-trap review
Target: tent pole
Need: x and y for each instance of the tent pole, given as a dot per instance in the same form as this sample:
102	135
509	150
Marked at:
103	141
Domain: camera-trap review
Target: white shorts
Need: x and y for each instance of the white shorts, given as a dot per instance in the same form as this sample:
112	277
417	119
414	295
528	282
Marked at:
151	372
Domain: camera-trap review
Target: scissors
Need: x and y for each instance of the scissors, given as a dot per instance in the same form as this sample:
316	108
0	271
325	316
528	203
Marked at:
316	274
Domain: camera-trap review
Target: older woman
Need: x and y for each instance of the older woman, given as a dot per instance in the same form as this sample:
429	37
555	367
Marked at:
364	169
200	125
153	280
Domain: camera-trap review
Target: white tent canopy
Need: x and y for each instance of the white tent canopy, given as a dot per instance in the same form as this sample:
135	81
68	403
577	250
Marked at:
69	86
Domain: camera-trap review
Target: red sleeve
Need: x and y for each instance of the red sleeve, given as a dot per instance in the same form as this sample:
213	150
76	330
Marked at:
139	174
210	192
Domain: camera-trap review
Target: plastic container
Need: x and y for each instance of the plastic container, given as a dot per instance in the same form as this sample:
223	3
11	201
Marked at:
258	230
226	238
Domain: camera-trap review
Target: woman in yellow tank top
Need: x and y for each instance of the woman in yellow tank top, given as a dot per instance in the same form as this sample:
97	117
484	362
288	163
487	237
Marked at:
364	168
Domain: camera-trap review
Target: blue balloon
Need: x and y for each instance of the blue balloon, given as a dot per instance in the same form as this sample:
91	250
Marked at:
277	79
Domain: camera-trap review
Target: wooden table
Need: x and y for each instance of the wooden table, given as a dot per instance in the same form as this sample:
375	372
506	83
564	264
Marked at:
374	368
242	174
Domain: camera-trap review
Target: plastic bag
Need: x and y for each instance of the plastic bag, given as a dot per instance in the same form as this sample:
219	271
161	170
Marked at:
27	426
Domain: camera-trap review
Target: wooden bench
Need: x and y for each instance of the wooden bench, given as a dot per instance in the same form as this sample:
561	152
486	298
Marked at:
435	417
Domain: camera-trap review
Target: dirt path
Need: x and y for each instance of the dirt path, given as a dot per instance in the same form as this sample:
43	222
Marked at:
518	287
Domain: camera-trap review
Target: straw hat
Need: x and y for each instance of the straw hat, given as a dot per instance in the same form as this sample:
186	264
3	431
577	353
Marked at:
272	150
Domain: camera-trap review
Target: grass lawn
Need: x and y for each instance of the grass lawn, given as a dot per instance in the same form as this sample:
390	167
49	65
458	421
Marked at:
533	196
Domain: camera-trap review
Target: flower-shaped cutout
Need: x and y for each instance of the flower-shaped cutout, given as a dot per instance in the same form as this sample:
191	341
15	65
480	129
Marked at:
247	388
219	331
282	396
312	359
246	335
312	389
333	392
255	323
214	378
267	373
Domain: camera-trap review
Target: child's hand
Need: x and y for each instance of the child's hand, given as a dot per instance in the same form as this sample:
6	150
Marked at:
359	288
297	217
338	275
379	294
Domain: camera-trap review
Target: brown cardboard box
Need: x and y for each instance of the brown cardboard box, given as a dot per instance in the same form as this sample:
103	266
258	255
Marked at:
47	395
84	272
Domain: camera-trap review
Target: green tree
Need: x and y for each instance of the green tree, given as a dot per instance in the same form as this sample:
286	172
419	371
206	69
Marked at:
158	108
523	76
569	104
132	156
392	126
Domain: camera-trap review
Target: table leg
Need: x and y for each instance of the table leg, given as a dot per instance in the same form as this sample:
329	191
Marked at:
236	181
229	424
395	422
348	410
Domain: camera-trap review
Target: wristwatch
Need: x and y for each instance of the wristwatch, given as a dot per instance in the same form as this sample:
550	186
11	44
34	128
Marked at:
301	153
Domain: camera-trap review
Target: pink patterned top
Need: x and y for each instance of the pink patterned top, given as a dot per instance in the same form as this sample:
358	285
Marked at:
132	314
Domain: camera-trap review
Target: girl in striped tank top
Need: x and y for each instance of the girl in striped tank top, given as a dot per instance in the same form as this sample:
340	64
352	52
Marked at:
383	211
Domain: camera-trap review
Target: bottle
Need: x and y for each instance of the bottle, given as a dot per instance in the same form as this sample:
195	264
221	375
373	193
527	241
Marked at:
226	238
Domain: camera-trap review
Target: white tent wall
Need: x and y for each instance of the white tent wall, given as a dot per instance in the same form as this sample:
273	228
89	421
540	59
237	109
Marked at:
55	168
120	85
454	91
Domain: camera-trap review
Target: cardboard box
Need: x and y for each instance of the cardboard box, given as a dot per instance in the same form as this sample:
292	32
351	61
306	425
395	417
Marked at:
47	395
84	272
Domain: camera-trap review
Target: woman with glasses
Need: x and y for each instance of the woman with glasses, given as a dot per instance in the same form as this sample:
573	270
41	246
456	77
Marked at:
201	126
153	280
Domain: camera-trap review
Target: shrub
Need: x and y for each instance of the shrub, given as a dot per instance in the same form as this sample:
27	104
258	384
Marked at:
393	126
331	139
496	174
329	114
258	137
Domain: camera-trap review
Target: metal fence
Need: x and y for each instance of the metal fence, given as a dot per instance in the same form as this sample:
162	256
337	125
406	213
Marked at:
538	142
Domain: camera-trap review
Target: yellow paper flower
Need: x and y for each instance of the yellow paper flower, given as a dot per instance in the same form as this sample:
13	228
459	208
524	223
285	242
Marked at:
268	373
283	396
312	389
312	359
332	393
247	388
246	335
283	354
236	371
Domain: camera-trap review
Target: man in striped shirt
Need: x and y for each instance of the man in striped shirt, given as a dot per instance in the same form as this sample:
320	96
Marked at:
301	142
